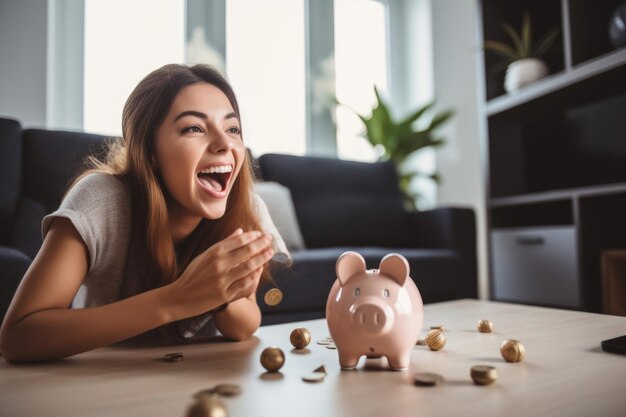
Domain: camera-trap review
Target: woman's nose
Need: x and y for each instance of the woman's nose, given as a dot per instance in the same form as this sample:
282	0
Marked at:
220	144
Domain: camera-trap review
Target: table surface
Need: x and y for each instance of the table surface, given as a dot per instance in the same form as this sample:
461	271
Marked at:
565	373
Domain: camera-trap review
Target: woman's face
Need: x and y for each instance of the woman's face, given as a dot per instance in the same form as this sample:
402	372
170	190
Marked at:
199	151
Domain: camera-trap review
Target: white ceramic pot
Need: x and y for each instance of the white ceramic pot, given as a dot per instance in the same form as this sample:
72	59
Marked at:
523	72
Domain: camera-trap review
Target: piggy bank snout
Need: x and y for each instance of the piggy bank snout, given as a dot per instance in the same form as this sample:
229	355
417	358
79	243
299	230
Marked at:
372	317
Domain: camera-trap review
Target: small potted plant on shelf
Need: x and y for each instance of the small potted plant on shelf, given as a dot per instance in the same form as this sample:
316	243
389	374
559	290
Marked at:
398	140
523	60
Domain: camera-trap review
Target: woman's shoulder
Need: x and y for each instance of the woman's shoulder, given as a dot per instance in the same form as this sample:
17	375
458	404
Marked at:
97	186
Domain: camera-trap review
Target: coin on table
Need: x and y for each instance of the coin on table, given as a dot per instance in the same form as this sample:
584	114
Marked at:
273	297
483	374
314	377
272	359
331	347
321	369
324	342
207	406
427	379
420	342
227	390
484	326
174	357
300	338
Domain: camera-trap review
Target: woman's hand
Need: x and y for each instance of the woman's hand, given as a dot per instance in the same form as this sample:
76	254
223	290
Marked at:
227	271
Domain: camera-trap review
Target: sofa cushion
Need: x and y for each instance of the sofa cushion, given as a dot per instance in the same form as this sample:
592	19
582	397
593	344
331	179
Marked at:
27	226
13	266
278	200
10	174
52	159
341	203
306	285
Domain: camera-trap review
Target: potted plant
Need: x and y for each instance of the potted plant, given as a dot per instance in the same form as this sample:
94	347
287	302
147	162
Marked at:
523	60
398	140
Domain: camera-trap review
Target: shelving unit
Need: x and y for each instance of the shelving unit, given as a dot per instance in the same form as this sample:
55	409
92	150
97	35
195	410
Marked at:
556	166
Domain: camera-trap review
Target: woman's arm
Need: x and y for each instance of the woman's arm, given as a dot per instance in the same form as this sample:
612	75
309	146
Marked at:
40	325
240	319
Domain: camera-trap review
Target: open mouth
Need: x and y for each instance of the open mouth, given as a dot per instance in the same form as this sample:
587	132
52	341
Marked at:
215	178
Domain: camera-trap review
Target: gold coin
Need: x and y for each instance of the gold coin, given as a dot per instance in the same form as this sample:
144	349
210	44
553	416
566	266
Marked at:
324	342
483	374
314	377
435	339
174	357
207	406
331	347
273	297
272	359
321	369
484	326
300	338
427	379
512	350
227	390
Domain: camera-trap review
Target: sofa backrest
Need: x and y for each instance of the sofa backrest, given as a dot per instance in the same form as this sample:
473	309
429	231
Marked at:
341	203
10	175
50	161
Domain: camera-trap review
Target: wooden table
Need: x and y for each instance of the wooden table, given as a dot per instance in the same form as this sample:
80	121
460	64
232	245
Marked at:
565	373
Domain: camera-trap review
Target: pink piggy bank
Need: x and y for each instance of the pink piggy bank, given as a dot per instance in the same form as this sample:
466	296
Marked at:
376	312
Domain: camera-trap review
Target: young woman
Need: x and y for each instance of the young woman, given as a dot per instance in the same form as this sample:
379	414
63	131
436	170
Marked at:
166	239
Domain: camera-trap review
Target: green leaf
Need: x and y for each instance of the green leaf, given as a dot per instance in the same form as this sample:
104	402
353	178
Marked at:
546	42
501	49
405	125
527	35
440	119
519	45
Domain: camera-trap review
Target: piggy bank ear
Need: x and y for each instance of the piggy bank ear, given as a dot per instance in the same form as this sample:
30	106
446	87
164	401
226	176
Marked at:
396	267
349	264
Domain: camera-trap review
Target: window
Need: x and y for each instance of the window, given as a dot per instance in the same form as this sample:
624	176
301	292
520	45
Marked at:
265	63
361	64
123	43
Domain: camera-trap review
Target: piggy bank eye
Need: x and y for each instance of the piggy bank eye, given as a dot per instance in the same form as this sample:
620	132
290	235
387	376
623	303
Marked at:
386	292
357	292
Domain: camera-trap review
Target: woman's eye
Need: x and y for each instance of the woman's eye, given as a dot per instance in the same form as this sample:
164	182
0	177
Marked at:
192	129
234	130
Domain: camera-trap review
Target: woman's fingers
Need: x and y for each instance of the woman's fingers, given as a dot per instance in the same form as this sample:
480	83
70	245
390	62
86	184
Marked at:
246	252
252	263
245	286
236	240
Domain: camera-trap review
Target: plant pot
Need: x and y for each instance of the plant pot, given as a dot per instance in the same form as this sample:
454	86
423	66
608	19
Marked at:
523	72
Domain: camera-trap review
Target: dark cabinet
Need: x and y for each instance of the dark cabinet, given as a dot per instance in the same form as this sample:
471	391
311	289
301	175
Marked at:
555	168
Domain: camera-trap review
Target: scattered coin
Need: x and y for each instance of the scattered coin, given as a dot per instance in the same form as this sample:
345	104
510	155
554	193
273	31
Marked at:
420	342
427	379
512	350
273	297
324	342
300	338
226	390
321	369
483	374
435	339
331	347
314	377
484	326
438	327
272	359
207	406
174	357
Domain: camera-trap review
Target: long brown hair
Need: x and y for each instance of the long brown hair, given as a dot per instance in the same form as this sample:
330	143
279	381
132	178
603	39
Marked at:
132	159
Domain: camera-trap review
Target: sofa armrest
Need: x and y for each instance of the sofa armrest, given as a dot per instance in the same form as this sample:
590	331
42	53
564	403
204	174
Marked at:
448	228
13	266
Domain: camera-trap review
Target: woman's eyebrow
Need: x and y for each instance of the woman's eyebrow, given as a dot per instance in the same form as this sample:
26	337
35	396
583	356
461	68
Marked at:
203	115
192	113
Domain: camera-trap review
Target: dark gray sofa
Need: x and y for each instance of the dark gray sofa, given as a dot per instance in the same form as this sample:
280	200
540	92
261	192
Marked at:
340	205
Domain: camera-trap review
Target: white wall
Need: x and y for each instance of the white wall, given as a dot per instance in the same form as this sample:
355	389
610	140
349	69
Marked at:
23	46
455	51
